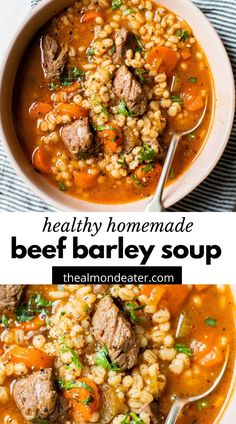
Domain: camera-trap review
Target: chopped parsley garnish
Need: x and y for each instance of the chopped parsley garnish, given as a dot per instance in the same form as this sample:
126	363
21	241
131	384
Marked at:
212	322
104	110
132	418
203	403
123	109
129	11
182	34
90	53
87	401
74	74
177	99
116	4
132	308
182	348
105	128
122	162
113	49
172	174
61	186
137	181
36	305
139	48
192	79
146	154
74	357
102	359
68	385
5	321
52	86
140	74
148	168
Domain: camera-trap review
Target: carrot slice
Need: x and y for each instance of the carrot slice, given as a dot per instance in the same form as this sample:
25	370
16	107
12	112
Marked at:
212	358
90	16
41	160
192	98
73	110
111	137
84	179
186	53
31	357
173	296
145	172
71	88
154	293
39	109
163	59
85	400
32	325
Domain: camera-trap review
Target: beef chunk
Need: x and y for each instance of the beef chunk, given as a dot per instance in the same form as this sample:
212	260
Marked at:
131	140
10	296
100	288
36	396
124	40
77	137
127	88
111	328
53	57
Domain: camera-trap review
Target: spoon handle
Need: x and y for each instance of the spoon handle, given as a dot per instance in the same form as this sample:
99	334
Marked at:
155	204
175	411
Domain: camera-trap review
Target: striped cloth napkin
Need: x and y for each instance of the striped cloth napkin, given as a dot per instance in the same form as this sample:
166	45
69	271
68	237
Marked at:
216	193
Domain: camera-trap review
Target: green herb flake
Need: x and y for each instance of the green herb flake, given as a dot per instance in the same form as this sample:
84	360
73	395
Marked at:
182	348
139	48
202	404
137	181
52	86
63	313
5	320
125	420
182	34
123	109
89	400
146	154
129	11
132	308
136	419
140	74
104	110
177	99
103	360
35	306
113	49
122	162
74	74
61	186
212	322
116	4
193	80
90	54
148	168
74	357
172	174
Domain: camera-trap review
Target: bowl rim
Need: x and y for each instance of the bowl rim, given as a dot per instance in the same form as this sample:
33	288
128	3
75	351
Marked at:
171	194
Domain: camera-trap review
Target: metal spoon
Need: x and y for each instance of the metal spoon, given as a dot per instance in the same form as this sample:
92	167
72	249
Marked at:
155	204
180	403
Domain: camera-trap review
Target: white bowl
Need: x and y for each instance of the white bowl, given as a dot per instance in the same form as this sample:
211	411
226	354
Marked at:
194	175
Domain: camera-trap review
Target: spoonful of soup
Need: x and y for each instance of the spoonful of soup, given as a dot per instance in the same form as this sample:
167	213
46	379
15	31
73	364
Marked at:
156	204
179	403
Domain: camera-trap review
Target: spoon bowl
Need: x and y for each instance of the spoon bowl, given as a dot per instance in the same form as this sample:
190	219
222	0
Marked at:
179	403
155	204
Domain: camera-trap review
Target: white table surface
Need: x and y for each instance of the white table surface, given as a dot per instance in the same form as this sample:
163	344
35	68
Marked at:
12	14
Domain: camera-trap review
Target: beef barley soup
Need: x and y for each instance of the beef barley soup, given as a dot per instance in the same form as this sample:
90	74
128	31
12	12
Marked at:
99	92
113	354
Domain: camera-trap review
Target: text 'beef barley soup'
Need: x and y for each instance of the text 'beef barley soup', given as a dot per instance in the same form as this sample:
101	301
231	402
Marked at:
113	354
99	92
